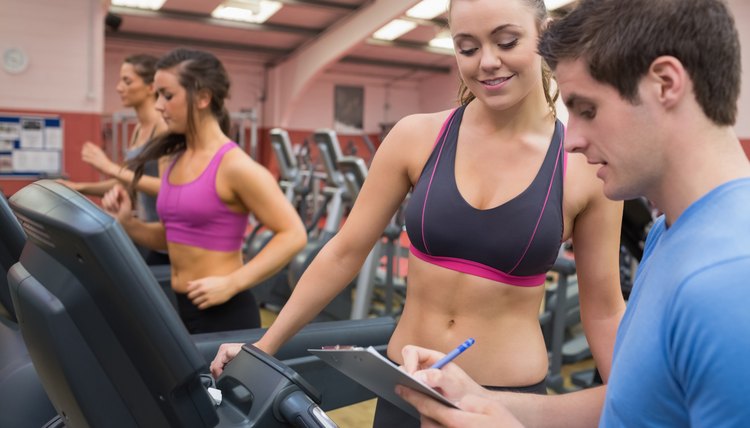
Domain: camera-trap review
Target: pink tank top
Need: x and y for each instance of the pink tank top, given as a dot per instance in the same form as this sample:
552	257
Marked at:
193	214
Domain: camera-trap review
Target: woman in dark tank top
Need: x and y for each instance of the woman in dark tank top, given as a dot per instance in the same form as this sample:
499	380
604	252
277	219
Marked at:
485	223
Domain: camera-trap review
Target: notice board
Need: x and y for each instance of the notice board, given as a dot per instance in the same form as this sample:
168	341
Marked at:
30	146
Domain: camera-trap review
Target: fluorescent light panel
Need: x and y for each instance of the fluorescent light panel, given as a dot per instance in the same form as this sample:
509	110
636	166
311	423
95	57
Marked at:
247	11
443	42
394	29
140	4
428	9
554	4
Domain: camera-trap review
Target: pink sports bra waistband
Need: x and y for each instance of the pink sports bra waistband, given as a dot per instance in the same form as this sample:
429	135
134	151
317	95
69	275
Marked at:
480	270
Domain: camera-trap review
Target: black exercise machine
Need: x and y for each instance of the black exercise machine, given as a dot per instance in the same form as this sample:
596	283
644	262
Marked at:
110	349
23	402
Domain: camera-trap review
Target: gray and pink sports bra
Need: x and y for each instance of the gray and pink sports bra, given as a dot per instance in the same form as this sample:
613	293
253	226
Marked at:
515	243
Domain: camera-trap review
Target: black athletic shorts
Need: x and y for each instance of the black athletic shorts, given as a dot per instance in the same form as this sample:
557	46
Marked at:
239	312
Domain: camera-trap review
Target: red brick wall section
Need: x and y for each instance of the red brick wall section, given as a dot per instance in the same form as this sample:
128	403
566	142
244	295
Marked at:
77	128
81	127
746	145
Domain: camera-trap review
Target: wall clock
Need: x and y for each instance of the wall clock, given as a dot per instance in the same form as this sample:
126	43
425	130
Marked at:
15	60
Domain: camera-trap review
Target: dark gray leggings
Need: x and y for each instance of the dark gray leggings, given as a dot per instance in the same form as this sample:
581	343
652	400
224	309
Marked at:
388	416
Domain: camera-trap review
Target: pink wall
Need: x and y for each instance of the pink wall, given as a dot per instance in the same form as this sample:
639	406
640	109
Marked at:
64	75
246	74
440	92
63	41
382	103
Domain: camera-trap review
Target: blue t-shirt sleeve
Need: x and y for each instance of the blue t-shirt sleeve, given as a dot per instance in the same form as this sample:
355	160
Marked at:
709	344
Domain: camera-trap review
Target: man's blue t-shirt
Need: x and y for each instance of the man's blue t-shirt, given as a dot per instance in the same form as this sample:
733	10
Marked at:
682	355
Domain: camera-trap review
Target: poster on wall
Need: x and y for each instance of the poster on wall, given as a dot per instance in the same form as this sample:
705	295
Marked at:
349	109
32	133
30	146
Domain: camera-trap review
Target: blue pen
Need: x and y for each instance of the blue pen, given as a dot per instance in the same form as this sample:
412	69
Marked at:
453	354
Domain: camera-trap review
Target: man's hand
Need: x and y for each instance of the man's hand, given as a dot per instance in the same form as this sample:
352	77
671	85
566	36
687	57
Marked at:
451	380
474	411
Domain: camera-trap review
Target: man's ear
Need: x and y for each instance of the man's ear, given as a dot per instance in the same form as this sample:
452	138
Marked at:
670	79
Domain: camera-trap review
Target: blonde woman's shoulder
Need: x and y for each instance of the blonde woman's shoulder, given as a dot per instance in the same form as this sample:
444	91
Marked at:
419	128
412	139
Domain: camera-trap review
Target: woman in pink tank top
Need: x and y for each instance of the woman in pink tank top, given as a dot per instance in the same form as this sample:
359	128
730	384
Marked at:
206	195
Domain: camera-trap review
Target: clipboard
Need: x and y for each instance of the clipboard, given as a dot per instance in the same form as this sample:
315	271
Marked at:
378	374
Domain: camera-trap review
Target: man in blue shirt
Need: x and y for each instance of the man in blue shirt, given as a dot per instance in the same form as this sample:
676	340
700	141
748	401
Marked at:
652	88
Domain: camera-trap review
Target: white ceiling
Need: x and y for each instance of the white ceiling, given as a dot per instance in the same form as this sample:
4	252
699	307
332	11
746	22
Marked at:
189	22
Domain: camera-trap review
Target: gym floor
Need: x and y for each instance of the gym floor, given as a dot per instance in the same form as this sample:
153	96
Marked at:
361	415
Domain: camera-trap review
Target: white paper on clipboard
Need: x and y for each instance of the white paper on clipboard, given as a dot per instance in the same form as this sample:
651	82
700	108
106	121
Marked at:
378	374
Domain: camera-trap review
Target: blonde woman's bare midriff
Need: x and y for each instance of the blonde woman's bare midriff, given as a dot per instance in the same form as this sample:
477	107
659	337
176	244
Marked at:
444	308
190	263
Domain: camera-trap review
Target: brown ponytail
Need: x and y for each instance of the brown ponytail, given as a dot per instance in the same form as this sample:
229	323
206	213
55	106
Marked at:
196	71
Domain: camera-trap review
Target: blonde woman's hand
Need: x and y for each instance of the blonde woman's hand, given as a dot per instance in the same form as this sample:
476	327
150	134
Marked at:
225	354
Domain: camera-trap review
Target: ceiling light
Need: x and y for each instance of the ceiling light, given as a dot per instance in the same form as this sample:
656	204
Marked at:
428	9
140	4
394	29
257	11
554	4
442	42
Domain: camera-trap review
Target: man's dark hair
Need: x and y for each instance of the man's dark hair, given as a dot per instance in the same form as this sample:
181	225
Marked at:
619	39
